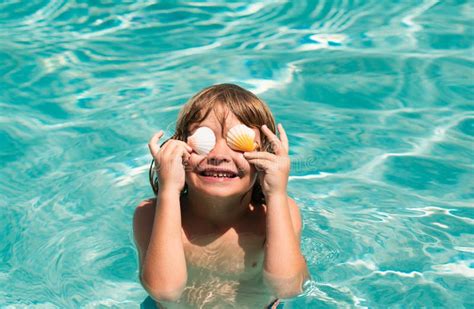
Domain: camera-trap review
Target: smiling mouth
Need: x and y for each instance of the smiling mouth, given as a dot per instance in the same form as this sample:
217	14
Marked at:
218	174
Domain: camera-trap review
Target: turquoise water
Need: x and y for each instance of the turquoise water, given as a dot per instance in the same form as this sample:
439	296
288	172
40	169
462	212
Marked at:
376	96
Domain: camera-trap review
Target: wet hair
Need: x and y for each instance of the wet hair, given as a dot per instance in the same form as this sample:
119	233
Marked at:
246	106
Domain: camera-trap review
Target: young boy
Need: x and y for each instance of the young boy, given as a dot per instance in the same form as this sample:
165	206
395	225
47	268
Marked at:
221	231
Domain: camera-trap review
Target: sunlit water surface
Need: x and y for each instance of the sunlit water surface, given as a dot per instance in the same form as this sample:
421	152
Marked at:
376	97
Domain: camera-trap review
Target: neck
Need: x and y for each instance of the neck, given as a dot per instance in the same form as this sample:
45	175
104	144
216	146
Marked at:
221	211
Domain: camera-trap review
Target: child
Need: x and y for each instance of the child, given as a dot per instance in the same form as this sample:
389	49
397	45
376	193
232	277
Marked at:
221	231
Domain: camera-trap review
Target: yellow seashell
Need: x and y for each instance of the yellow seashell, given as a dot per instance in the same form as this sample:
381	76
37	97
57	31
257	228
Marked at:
241	138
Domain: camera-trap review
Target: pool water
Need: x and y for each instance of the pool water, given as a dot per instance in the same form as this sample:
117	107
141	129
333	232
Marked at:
377	98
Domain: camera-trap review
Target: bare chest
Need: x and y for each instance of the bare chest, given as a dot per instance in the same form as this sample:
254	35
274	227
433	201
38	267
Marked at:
232	255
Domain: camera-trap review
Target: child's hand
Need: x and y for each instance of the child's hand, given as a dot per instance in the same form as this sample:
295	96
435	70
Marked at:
273	168
169	162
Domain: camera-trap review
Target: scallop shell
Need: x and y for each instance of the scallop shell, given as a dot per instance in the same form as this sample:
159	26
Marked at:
241	138
202	141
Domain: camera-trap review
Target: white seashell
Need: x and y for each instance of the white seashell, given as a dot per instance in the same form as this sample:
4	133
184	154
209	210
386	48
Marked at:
241	138
202	141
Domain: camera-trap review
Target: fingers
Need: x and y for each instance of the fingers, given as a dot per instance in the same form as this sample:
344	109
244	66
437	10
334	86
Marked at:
275	142
175	149
173	142
261	164
171	148
153	143
185	160
283	137
188	148
262	160
267	161
259	155
180	151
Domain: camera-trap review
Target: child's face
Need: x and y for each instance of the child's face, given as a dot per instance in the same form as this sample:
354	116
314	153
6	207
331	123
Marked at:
220	157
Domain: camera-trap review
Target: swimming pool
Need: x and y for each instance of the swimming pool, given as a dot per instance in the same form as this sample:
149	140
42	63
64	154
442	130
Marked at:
376	97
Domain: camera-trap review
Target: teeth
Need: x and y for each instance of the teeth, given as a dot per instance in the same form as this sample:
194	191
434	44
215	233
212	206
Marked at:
227	175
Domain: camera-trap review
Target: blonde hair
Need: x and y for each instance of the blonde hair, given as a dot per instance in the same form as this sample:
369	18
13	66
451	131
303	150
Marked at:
246	106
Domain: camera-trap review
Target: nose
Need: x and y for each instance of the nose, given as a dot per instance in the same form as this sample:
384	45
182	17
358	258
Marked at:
220	153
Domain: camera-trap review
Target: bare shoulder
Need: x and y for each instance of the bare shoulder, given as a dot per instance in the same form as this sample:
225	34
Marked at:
143	224
143	211
146	203
143	214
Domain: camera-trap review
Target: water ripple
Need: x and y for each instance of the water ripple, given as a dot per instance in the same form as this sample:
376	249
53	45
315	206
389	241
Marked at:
376	99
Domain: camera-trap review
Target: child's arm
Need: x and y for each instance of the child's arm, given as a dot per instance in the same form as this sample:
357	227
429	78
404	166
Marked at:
285	268
163	269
